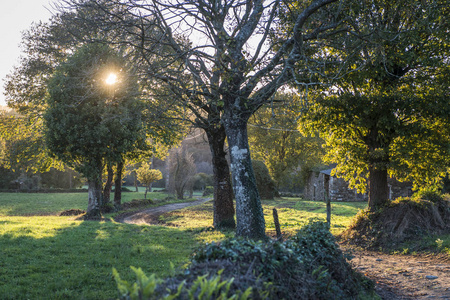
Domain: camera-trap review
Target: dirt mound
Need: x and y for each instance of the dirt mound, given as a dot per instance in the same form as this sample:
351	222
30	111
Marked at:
72	212
402	220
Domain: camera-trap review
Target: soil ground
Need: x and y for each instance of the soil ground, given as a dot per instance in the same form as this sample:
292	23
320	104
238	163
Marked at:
424	276
396	276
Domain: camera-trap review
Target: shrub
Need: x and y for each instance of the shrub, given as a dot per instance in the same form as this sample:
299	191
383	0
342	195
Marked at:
202	180
209	190
428	194
152	288
307	266
107	208
123	189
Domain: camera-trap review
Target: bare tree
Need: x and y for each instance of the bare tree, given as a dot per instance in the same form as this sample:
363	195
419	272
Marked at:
181	171
145	41
230	68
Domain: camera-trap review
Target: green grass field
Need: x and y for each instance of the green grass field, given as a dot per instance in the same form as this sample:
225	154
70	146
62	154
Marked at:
20	204
45	256
61	258
53	257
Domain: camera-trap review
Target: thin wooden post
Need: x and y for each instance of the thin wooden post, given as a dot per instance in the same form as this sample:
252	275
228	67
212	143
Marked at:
277	225
327	199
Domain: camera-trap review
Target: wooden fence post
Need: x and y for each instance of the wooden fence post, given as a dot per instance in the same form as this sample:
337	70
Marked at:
277	225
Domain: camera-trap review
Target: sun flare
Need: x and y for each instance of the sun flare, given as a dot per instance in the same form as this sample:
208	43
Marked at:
111	79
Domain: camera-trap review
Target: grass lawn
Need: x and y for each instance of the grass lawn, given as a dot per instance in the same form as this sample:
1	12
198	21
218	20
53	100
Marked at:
53	257
60	258
292	212
20	204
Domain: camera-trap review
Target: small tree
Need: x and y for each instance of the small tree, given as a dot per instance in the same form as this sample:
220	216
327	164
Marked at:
181	171
87	122
146	175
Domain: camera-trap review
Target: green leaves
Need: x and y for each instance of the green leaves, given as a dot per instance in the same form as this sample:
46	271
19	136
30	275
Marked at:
274	138
86	120
390	104
203	288
146	175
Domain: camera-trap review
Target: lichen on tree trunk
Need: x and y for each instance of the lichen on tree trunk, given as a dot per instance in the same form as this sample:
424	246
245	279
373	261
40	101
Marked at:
249	212
95	194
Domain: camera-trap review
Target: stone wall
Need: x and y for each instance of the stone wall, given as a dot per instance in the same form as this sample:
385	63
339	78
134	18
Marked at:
314	188
320	184
339	191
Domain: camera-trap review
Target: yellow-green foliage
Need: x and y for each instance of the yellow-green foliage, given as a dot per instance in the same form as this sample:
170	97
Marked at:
203	288
146	175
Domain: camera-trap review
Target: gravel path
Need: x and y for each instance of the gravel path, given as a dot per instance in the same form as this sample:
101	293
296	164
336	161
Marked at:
150	215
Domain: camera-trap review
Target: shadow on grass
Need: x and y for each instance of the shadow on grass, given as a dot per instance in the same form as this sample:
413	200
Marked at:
75	260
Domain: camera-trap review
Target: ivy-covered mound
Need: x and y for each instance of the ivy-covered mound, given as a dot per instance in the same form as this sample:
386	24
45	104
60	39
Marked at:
402	220
310	265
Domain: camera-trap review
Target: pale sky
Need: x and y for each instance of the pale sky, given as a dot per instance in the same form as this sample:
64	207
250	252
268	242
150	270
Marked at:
15	17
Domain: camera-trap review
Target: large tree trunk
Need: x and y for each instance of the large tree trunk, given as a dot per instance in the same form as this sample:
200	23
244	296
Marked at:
95	197
249	212
378	188
223	192
108	185
378	154
118	187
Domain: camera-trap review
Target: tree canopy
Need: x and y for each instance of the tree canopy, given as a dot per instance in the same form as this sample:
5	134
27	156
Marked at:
275	139
229	72
146	175
89	121
387	114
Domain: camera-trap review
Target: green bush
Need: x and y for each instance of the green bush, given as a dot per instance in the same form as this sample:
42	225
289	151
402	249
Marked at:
201	181
107	208
429	194
203	288
209	190
312	257
307	266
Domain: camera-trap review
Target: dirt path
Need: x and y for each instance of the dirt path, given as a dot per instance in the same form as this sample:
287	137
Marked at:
150	215
405	276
